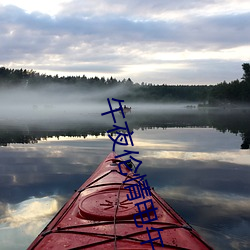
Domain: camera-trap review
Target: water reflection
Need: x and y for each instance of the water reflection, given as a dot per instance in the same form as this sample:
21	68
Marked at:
233	121
20	222
33	209
200	171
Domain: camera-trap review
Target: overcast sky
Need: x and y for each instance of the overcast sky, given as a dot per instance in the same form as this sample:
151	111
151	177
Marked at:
157	41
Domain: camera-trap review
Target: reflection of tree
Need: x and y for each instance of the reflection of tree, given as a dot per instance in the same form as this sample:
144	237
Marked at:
246	141
232	121
16	137
20	135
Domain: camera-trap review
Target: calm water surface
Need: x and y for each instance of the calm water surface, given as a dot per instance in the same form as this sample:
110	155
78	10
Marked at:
193	160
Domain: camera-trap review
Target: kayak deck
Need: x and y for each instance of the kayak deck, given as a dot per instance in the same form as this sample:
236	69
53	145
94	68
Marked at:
100	215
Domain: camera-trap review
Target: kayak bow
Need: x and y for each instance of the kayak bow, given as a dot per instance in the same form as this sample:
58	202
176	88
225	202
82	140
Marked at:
100	216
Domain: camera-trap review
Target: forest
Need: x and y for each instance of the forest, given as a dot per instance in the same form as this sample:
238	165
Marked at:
224	93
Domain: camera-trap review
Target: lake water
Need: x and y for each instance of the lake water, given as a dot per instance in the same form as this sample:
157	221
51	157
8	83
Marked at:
193	158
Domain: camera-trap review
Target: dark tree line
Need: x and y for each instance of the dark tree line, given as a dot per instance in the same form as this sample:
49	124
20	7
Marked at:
237	91
234	92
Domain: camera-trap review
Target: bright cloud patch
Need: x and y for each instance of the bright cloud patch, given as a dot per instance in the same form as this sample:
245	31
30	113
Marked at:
169	42
29	212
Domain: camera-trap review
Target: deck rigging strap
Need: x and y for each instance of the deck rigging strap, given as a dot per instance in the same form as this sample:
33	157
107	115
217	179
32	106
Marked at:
116	209
131	164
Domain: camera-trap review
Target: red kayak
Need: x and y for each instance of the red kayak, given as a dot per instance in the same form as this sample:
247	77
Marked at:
102	214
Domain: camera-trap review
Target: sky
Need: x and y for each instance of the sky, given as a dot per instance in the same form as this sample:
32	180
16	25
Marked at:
152	41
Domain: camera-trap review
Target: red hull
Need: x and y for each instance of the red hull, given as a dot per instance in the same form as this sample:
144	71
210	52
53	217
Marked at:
87	220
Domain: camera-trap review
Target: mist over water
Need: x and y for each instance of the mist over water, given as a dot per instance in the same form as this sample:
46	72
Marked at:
64	103
55	102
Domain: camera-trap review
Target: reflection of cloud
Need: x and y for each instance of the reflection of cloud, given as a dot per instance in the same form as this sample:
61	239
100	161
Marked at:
228	203
153	145
2	209
191	139
29	213
200	144
25	220
222	219
236	157
55	156
227	241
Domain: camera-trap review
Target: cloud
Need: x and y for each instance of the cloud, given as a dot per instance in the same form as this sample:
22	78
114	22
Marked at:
149	9
116	30
126	39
